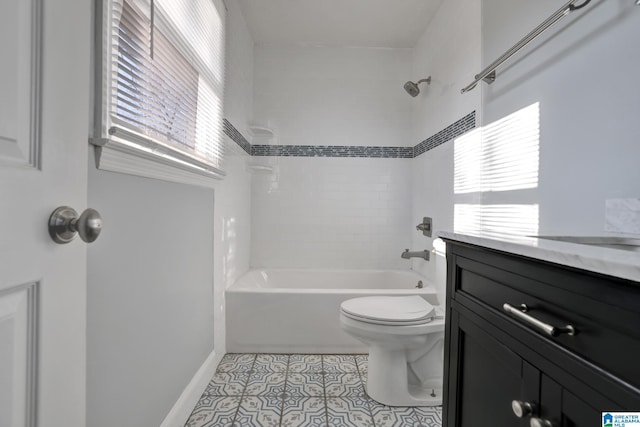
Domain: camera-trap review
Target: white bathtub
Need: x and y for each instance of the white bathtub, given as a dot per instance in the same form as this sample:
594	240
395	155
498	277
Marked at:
297	311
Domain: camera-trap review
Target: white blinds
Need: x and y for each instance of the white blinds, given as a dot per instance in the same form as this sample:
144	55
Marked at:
501	156
514	221
165	62
498	162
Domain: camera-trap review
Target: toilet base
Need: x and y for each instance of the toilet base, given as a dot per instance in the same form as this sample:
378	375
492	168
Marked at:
387	381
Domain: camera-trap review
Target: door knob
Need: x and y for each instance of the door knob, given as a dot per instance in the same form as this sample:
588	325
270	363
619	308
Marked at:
540	422
64	225
522	409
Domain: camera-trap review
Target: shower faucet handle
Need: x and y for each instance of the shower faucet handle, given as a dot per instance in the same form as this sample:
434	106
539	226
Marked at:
426	226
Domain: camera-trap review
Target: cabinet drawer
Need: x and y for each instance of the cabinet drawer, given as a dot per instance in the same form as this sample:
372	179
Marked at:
604	312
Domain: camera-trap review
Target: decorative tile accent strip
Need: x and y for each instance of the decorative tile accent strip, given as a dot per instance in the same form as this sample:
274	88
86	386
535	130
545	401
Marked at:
461	126
452	131
331	151
236	136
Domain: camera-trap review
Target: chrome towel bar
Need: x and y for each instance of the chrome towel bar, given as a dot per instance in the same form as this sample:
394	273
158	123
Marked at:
488	75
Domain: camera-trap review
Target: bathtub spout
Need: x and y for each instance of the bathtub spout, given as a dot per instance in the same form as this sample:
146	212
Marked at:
418	254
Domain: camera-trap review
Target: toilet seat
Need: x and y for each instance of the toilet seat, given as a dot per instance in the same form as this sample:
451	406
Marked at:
389	310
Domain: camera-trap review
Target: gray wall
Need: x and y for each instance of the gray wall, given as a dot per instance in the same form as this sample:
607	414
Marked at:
150	296
155	289
583	73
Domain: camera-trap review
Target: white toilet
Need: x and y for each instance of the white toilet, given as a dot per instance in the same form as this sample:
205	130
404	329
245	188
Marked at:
405	335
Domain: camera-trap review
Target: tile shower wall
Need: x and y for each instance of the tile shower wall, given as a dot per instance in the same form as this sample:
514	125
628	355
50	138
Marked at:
239	57
232	212
317	212
331	213
334	95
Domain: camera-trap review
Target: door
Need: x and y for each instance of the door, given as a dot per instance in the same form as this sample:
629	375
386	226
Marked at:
565	409
487	377
44	113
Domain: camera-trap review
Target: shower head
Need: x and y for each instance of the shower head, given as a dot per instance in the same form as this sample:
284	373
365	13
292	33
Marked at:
413	89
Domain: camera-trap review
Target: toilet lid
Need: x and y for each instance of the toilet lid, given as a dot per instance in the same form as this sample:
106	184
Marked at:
390	310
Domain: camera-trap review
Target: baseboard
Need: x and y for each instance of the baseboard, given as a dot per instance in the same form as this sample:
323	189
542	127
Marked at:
300	349
179	414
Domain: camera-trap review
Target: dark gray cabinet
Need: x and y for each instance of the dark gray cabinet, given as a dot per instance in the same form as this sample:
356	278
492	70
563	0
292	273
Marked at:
489	376
558	403
493	357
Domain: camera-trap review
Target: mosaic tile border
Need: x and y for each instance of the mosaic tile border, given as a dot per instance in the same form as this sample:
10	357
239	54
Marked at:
452	131
331	151
235	135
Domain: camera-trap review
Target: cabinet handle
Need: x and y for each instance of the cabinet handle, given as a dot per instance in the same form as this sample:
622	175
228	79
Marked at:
548	329
522	409
540	422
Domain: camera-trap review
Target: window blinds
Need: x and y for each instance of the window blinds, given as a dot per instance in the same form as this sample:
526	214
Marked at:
165	62
500	156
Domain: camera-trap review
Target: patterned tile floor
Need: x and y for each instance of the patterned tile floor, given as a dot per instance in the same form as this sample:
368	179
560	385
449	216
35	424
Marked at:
284	390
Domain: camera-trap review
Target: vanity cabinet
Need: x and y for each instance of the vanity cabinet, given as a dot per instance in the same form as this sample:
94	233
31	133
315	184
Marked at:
500	360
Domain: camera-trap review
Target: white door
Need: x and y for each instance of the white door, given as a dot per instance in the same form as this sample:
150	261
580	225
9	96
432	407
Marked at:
44	113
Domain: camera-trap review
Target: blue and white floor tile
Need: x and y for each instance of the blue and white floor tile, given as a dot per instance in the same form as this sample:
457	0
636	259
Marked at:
340	384
363	376
304	412
305	363
214	411
386	416
265	384
348	412
361	359
259	411
310	384
339	363
271	362
234	362
280	390
429	416
227	384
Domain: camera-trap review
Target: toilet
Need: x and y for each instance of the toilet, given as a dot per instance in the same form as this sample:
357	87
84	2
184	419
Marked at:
405	335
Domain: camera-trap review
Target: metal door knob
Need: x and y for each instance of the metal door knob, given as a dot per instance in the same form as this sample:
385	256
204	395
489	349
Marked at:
522	409
540	422
64	225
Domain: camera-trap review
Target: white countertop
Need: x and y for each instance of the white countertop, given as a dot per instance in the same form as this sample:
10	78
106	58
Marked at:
612	262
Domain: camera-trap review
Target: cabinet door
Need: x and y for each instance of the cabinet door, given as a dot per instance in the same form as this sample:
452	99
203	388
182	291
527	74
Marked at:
565	409
484	377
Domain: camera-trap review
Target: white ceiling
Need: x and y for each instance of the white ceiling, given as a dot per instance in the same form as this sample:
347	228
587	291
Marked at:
361	23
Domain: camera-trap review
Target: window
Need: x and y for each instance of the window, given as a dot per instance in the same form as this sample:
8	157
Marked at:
159	87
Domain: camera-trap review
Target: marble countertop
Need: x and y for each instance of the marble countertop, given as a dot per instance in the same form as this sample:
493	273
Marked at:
612	262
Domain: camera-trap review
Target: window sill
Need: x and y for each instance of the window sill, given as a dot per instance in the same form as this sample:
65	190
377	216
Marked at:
115	156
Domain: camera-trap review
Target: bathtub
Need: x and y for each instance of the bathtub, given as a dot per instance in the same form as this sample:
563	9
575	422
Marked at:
297	311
